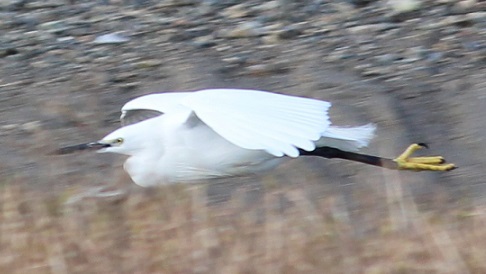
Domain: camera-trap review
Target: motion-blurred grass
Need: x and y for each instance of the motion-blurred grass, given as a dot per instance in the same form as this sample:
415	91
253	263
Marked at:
173	229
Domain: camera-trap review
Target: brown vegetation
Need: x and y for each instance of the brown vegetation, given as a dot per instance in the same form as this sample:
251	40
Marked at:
173	230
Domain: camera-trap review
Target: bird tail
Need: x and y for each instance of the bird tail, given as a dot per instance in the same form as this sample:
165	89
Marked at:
347	138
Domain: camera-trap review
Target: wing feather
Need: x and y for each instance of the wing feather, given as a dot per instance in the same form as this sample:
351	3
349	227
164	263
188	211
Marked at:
130	117
262	120
163	102
147	106
251	119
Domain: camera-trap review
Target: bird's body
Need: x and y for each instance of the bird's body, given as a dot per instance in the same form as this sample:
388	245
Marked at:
186	136
189	152
223	132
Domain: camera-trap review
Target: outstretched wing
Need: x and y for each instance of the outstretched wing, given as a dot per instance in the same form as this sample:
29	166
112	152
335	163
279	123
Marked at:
278	124
150	106
251	119
134	116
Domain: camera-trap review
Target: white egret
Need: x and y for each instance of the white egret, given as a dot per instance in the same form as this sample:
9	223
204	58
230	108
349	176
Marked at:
185	136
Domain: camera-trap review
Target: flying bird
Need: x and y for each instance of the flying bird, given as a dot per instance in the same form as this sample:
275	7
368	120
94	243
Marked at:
185	136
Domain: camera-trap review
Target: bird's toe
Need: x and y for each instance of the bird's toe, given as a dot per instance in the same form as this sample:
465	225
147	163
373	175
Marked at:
431	163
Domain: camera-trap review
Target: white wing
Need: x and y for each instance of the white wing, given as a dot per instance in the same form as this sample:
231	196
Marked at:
152	105
137	115
163	102
278	124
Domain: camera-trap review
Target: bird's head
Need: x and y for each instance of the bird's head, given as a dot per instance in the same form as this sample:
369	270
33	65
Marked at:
126	140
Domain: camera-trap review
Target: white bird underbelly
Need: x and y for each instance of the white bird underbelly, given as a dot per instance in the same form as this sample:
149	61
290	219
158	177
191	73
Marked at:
195	153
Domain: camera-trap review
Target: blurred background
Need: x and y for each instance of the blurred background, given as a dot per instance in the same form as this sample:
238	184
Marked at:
415	68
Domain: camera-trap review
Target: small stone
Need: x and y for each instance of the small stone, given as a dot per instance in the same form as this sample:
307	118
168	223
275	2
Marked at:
371	28
234	60
111	38
464	5
223	48
361	3
149	63
50	4
199	31
340	54
271	39
289	32
54	26
374	71
123	77
404	6
66	42
266	69
386	59
236	11
125	87
8	52
31	127
204	41
9	127
458	20
247	29
180	36
477	17
267	6
434	56
260	69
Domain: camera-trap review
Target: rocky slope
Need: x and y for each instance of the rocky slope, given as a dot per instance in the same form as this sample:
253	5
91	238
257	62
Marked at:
418	74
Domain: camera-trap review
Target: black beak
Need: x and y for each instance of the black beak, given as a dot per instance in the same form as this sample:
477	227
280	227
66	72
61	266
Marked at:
87	146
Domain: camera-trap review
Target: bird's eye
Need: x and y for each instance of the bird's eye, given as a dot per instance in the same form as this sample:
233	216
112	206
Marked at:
119	141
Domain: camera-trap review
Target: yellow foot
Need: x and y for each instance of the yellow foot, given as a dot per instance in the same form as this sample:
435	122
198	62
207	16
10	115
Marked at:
433	163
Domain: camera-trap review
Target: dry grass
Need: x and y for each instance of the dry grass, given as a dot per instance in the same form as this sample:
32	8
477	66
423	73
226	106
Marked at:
171	230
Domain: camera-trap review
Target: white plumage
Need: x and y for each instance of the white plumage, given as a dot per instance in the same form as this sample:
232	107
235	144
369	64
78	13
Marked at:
222	132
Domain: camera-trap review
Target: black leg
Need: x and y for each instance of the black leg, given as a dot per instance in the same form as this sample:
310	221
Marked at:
330	152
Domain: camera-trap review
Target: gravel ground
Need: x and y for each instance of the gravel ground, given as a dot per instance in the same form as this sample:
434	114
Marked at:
418	74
